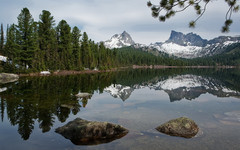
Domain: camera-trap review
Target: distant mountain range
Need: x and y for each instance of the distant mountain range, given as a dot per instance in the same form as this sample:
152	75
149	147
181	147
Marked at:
178	87
180	45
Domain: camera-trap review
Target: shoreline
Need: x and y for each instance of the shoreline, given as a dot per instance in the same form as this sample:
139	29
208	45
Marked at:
73	72
163	67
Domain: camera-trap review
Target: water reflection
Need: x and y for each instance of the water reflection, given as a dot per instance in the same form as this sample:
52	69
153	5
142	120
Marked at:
45	99
178	87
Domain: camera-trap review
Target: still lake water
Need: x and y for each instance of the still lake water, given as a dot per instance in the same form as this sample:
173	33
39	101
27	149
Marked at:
140	100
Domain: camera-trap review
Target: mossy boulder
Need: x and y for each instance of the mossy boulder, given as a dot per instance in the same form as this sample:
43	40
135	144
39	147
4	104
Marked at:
83	132
183	127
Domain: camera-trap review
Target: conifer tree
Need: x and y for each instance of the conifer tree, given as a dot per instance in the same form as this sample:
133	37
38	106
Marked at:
1	40
85	51
64	45
38	61
25	38
47	41
101	55
76	34
12	48
92	54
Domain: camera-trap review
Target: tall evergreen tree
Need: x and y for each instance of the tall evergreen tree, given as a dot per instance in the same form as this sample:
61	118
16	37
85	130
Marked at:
76	34
38	61
85	51
1	40
47	41
64	45
25	37
12	47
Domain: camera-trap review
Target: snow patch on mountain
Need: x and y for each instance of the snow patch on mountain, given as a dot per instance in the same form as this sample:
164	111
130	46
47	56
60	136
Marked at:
178	50
230	42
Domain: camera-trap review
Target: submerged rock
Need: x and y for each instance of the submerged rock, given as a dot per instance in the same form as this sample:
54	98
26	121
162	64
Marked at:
8	77
183	127
229	118
82	95
83	132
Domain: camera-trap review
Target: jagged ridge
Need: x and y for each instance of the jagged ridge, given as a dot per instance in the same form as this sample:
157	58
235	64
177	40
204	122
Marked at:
178	87
119	40
181	45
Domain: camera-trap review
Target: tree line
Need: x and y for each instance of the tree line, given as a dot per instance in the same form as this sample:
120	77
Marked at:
41	45
32	46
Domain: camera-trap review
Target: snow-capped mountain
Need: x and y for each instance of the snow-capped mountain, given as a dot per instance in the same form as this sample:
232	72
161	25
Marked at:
189	39
178	87
192	45
180	45
119	41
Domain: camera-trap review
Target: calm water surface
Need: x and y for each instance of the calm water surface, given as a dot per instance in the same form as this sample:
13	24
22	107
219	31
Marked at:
140	100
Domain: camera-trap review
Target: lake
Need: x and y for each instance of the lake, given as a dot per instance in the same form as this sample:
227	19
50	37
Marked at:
139	100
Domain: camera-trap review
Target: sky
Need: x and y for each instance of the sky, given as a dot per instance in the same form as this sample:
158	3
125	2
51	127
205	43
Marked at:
101	19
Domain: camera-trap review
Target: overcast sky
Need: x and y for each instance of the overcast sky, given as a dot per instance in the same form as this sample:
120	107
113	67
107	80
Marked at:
103	18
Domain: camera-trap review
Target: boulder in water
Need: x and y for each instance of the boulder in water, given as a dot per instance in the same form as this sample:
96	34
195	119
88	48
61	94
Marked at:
83	132
183	127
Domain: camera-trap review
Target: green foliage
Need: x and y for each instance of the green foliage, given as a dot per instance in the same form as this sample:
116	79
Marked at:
167	8
12	48
48	57
25	38
85	51
76	34
64	39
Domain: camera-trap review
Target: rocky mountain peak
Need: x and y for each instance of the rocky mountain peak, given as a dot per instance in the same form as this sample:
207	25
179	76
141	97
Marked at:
190	39
119	40
179	44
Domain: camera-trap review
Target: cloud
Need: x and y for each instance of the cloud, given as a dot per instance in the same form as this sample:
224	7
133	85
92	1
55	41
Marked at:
102	19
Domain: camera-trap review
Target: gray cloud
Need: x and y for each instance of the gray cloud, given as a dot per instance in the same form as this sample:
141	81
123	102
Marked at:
102	19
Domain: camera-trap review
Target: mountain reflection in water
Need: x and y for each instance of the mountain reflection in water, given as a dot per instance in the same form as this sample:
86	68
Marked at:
45	99
179	87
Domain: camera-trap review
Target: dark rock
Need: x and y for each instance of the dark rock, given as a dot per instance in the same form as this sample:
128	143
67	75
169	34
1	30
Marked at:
83	132
7	77
183	127
190	39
